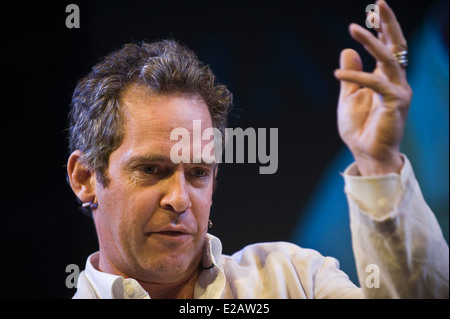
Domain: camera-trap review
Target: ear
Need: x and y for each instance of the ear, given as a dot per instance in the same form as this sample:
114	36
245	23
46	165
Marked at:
81	178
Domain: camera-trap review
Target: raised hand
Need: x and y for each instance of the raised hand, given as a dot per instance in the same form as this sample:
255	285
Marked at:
373	107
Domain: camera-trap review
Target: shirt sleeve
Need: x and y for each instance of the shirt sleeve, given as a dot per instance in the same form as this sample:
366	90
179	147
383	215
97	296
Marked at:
399	248
376	195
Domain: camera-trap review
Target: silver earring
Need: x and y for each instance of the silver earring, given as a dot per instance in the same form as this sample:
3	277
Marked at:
92	205
210	224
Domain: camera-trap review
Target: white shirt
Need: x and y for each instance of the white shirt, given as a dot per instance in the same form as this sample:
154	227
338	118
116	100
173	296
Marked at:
398	245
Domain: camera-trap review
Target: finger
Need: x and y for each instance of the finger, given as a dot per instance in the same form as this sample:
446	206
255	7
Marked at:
391	29
388	63
373	17
372	81
382	38
349	60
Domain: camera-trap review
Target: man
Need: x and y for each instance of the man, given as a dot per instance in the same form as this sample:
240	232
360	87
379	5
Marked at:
152	213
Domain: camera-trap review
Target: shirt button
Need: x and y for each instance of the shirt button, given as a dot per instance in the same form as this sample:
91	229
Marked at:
129	291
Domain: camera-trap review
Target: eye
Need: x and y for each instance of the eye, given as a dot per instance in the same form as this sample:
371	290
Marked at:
149	170
198	172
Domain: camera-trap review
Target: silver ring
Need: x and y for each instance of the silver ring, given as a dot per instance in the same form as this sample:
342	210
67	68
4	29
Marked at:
402	58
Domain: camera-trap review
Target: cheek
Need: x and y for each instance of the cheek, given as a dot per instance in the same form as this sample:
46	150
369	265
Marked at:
121	211
201	204
137	208
108	217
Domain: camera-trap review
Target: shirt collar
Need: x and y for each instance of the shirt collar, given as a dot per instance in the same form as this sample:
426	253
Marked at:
210	283
211	280
109	286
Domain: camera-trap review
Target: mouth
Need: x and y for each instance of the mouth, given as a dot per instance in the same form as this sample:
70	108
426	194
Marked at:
171	233
168	238
178	233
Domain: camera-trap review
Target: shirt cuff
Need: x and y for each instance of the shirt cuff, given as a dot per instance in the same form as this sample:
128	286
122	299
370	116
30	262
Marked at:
377	195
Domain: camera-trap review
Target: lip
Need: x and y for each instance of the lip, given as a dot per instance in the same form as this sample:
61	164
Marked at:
172	232
173	229
170	237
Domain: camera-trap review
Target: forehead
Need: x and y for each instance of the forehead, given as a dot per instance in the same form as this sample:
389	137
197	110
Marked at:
150	118
144	110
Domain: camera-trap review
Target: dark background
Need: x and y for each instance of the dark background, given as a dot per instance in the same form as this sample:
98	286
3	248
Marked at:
276	57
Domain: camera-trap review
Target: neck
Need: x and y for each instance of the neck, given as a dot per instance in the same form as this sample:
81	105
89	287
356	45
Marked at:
179	290
183	289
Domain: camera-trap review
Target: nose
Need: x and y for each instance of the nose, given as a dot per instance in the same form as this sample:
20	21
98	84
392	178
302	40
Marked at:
176	196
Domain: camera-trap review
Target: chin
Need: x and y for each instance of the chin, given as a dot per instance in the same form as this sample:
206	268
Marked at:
167	269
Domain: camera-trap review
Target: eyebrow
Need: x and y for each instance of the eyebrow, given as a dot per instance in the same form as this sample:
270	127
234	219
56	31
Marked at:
159	158
149	158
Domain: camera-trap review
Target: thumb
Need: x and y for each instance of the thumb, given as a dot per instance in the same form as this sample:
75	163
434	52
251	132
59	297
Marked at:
349	60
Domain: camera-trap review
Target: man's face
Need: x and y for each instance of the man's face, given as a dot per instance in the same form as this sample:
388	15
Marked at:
153	215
